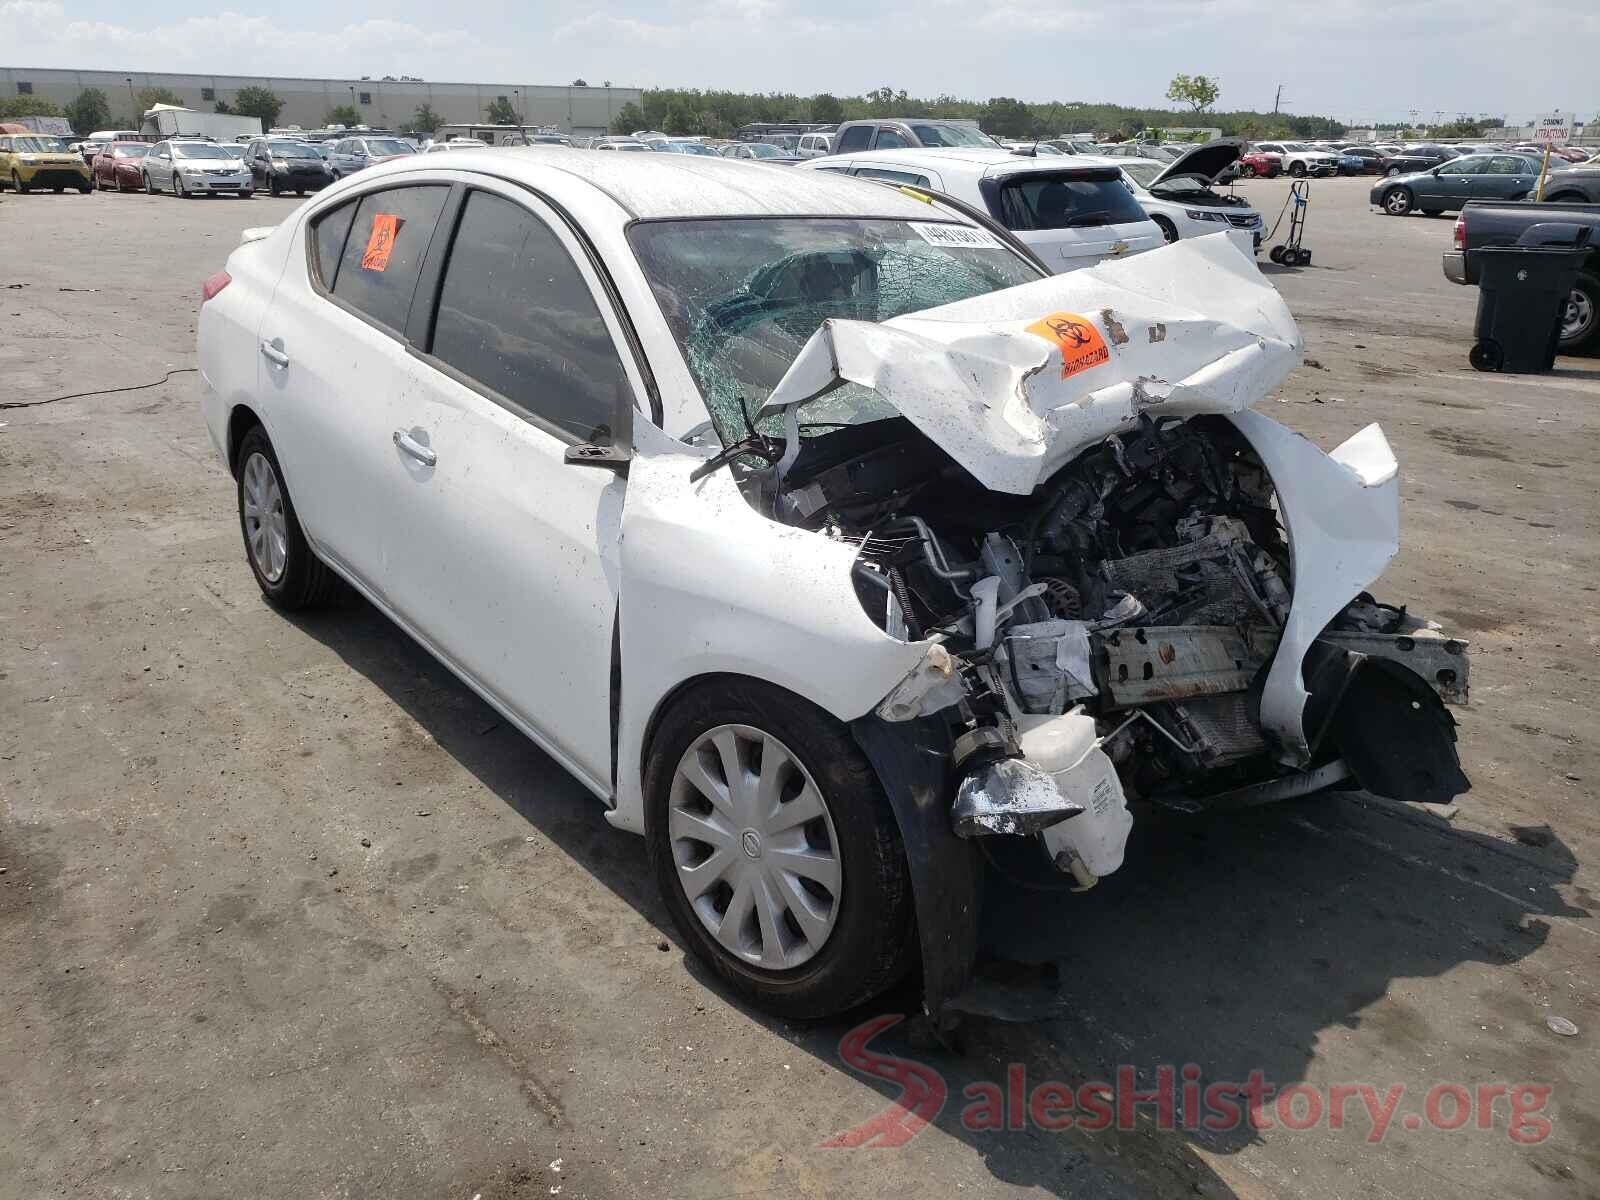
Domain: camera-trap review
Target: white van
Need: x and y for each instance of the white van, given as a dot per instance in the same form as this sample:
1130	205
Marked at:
1072	211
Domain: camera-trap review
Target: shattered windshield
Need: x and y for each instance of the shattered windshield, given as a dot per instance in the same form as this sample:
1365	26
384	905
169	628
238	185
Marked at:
743	296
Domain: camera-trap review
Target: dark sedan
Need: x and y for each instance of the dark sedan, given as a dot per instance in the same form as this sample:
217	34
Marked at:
118	166
1373	162
1418	158
1450	185
279	166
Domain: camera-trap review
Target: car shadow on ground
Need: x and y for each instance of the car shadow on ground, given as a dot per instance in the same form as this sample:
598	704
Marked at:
1228	943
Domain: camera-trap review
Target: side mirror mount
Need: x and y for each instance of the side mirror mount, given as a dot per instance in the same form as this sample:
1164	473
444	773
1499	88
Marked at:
591	454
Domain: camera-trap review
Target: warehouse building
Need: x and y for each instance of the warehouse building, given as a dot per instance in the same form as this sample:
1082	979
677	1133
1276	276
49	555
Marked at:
382	103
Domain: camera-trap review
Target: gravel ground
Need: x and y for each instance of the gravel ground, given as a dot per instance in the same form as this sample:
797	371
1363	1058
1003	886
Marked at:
287	911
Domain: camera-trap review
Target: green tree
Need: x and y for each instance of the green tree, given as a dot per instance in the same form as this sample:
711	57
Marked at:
826	108
224	108
1462	128
258	102
151	96
28	106
425	120
1198	92
629	117
500	112
345	114
90	111
579	83
1005	117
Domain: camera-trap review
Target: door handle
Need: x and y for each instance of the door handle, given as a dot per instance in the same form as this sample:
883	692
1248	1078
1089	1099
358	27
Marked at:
273	355
410	445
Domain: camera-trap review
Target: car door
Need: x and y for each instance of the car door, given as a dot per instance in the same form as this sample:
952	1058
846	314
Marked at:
332	358
1507	177
159	170
509	560
1452	183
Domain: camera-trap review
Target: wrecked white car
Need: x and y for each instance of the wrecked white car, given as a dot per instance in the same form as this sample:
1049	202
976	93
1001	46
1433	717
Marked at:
820	532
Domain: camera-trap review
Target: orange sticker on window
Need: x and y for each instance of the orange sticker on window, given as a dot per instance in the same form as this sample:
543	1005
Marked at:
1078	339
380	242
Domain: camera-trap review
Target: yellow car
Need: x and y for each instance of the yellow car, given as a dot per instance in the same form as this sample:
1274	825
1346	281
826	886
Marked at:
30	160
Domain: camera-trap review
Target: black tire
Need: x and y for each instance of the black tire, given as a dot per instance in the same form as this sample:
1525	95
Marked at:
872	943
1397	201
272	185
149	188
1298	170
1276	254
1169	231
17	185
86	188
1302	258
1247	171
1586	338
306	581
1486	356
1432	212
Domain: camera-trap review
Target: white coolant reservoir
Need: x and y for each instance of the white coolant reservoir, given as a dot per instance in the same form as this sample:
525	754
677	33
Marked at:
1067	748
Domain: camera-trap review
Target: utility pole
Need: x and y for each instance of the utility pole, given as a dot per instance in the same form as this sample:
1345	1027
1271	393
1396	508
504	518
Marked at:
1277	99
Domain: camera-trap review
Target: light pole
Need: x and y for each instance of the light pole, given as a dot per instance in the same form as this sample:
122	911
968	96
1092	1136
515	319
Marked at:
133	101
353	108
517	92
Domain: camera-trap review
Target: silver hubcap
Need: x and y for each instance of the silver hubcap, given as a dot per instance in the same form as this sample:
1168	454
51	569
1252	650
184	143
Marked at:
755	848
266	527
1579	315
1398	204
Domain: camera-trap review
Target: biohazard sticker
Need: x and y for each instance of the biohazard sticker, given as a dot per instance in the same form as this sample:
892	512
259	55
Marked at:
380	242
1078	339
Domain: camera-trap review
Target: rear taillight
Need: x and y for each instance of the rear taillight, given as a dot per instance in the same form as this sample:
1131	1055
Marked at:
1461	232
213	285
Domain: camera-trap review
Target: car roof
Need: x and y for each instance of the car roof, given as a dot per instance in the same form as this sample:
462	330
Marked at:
979	160
690	185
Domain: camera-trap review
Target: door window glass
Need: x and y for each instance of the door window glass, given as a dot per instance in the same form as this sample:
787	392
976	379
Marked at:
889	139
516	317
383	252
856	137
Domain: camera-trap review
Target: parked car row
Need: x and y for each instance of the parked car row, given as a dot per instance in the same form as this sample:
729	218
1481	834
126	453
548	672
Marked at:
1447	186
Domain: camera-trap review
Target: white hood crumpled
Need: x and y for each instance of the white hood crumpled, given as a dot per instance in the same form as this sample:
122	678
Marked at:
1013	384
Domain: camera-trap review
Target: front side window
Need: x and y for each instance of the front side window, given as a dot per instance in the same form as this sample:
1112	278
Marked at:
890	139
1466	166
516	316
383	253
742	296
951	135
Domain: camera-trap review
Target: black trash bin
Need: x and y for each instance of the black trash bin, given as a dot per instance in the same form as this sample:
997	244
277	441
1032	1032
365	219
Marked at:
1522	295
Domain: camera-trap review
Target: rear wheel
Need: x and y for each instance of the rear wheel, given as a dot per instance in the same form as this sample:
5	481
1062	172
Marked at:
775	849
1392	172
1580	320
289	574
1397	201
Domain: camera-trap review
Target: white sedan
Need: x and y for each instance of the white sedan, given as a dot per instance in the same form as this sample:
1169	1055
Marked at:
818	531
1179	197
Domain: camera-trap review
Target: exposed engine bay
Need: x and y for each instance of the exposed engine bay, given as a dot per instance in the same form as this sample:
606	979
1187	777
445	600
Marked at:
1106	637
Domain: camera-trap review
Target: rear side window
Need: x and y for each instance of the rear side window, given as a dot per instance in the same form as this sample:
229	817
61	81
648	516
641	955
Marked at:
383	251
890	139
517	318
893	176
328	232
855	138
1041	200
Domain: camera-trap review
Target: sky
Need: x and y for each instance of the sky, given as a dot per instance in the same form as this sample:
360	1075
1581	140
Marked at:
1358	60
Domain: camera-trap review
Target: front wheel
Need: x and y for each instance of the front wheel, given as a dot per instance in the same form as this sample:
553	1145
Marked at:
289	574
16	182
1298	170
1247	171
1169	231
1397	202
775	849
149	188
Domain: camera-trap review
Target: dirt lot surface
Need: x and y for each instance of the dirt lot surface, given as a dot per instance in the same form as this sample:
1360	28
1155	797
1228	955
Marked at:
287	911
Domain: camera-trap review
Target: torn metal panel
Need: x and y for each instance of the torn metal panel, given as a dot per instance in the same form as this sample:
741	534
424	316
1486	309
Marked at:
1442	661
1175	662
1013	384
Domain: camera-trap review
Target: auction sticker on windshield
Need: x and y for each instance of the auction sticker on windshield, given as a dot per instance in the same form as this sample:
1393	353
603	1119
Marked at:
963	237
1077	338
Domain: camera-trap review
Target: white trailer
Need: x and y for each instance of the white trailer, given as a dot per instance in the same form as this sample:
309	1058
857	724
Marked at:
168	120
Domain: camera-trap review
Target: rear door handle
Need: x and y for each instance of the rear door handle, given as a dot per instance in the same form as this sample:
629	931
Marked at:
273	355
410	445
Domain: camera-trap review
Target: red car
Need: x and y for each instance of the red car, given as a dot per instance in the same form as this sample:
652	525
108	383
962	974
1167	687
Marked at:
1258	162
117	166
